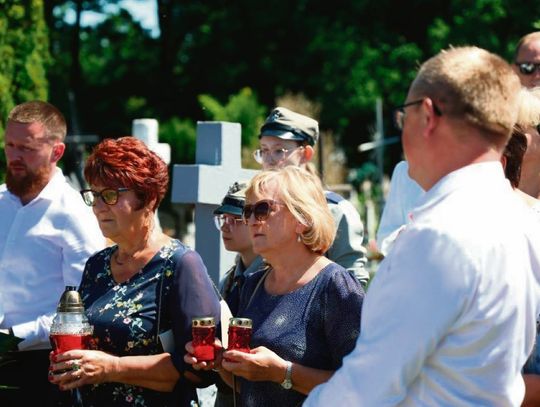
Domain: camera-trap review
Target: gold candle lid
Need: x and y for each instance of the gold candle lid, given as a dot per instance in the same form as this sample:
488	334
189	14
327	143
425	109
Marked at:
241	322
203	322
70	301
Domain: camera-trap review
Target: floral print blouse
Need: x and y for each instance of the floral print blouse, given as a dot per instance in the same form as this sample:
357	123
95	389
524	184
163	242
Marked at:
125	317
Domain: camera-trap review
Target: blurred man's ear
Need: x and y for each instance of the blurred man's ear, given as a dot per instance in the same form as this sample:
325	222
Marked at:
58	151
309	152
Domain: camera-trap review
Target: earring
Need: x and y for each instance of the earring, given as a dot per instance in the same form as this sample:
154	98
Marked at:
299	238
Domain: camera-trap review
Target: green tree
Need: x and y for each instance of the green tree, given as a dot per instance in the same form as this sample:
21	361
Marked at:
242	108
342	56
181	135
24	58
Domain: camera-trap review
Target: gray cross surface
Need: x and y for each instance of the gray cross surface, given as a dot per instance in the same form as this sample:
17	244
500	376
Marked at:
218	165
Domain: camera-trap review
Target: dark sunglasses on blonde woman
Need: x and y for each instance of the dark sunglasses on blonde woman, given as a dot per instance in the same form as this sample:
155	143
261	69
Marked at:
260	209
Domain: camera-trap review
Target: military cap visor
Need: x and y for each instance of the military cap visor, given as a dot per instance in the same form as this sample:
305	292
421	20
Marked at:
286	133
231	205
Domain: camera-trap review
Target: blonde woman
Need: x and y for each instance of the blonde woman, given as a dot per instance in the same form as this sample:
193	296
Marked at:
305	308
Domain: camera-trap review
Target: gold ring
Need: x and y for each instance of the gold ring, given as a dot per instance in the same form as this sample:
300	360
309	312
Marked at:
75	366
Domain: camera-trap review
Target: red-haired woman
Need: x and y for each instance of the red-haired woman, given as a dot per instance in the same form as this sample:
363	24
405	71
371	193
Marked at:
144	285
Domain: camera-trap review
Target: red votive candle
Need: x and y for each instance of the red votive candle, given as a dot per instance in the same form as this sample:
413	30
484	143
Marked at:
240	334
204	333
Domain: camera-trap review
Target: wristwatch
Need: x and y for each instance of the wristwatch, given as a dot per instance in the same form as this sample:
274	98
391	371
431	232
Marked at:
287	383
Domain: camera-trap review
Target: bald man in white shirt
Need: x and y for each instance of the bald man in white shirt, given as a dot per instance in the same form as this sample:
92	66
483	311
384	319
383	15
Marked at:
450	318
46	235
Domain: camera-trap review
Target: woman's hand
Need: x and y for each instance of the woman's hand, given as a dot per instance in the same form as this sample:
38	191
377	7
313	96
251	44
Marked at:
260	365
214	364
76	368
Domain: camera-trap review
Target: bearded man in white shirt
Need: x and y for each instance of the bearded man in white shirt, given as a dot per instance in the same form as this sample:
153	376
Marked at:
449	319
46	235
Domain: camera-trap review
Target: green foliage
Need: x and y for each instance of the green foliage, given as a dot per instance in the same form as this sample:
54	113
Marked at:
342	56
118	61
24	58
181	135
242	108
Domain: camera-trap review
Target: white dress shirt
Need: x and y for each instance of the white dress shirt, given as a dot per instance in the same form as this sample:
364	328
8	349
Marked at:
403	196
44	246
449	319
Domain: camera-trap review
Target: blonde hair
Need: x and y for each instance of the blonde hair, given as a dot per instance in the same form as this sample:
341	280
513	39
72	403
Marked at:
473	85
303	195
529	107
41	112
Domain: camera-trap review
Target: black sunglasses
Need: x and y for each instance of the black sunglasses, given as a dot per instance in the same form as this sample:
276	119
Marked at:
261	210
399	112
528	68
107	195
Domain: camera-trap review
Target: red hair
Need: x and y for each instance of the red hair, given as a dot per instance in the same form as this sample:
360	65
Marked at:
128	162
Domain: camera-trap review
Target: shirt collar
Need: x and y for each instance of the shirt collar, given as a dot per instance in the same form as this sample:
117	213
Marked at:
53	187
483	174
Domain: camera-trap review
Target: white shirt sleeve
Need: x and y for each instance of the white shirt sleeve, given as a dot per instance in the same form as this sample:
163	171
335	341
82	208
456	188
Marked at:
411	304
402	197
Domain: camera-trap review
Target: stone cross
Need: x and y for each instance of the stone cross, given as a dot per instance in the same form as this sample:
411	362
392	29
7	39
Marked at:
218	166
147	130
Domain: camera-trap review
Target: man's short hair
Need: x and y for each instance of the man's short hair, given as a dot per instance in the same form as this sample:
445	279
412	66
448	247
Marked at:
526	38
41	112
472	85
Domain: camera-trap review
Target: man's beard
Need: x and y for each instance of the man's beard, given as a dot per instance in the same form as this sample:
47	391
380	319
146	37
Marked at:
29	183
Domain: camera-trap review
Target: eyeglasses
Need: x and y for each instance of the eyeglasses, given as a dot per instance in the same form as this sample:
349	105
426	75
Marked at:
224	219
107	195
261	210
264	155
399	112
528	68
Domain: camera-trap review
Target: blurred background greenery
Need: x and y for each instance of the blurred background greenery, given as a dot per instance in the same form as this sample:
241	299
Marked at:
234	60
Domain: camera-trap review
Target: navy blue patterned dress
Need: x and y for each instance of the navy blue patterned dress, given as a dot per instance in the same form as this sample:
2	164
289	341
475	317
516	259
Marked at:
315	326
124	317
